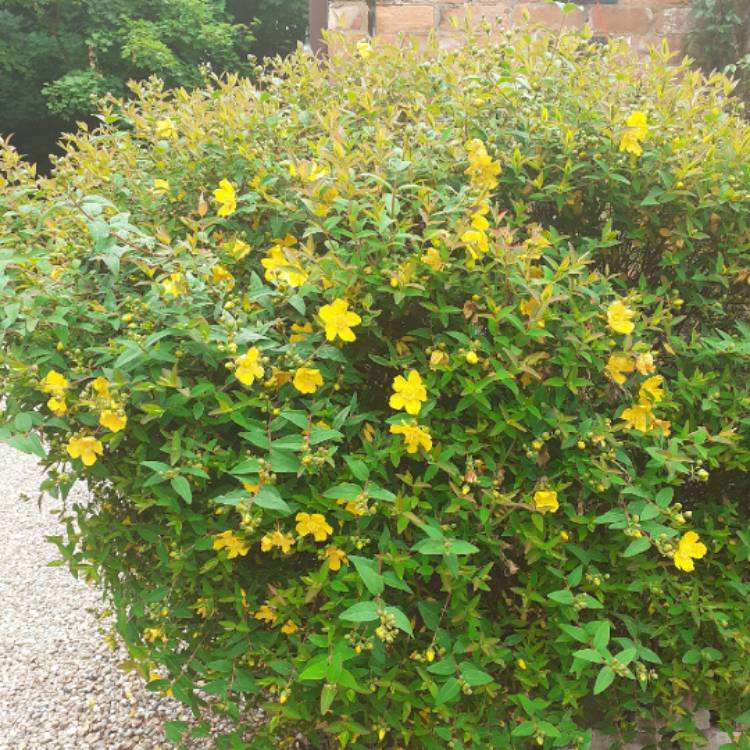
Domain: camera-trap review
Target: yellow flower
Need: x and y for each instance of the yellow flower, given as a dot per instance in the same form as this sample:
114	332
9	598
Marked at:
521	664
546	500
165	129
101	386
639	417
173	285
414	436
248	367
307	380
219	274
619	317
663	425
335	557
55	384
338	320
85	448
278	378
651	390
284	542
409	393
528	307
438	358
689	548
266	614
57	406
644	363
251	488
364	49
237	248
482	170
161	186
617	366
432	259
289	627
637	125
299	332
476	243
281	269
353	507
478	220
113	420
233	544
314	524
226	197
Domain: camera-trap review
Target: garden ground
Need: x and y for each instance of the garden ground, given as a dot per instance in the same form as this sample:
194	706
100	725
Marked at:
62	685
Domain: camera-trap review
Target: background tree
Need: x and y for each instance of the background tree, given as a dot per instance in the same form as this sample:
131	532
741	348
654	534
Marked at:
57	56
280	24
720	39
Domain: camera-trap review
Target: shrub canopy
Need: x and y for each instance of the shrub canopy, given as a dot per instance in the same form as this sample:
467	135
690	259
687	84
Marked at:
411	388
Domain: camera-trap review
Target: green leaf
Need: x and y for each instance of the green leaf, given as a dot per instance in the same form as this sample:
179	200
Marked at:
626	655
287	443
368	572
473	675
588	654
376	492
345	491
578	634
448	691
648	655
27	444
430	612
429	547
251	466
525	729
182	487
460	547
444	667
563	596
316	669
611	516
601	635
327	694
604	679
592	603
693	656
23	421
402	621
268	497
321	434
360	612
575	576
358	468
636	547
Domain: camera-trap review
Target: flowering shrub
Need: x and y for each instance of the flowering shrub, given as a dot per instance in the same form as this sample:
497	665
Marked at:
411	388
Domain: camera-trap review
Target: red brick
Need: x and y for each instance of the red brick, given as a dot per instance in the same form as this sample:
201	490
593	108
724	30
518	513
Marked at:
454	18
653	4
390	19
348	16
613	19
550	16
673	20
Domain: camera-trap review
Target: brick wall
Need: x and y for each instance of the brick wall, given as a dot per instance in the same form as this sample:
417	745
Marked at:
644	22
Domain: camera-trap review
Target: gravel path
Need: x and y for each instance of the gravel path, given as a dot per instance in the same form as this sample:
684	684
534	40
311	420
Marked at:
61	687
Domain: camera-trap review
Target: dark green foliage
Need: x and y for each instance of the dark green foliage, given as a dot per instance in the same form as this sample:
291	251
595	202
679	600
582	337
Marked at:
280	23
57	56
721	38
